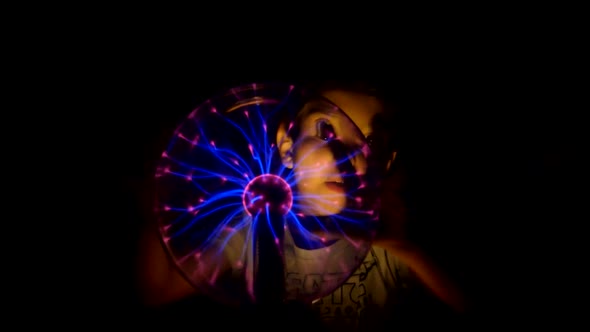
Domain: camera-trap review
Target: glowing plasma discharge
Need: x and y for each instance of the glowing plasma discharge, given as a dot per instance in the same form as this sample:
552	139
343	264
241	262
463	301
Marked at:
221	175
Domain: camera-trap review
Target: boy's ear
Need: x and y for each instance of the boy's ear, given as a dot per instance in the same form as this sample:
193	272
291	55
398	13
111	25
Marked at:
285	145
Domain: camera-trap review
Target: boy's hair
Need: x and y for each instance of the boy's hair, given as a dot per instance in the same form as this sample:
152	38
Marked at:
359	86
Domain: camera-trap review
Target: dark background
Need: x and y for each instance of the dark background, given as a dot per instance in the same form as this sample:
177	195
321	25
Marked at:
485	150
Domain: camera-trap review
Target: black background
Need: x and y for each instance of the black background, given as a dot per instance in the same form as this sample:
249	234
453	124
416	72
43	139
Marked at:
483	136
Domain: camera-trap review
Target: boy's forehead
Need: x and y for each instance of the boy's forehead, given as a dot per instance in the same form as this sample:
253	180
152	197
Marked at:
359	108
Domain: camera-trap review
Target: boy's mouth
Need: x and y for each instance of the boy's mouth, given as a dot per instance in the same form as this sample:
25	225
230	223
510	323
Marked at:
336	185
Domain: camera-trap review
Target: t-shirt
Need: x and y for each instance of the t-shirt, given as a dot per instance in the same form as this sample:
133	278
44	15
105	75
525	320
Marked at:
347	301
342	300
365	298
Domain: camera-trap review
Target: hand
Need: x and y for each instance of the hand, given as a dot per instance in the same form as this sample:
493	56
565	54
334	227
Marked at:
391	236
393	213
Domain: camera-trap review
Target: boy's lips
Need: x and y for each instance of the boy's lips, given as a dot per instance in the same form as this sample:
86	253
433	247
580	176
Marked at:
336	186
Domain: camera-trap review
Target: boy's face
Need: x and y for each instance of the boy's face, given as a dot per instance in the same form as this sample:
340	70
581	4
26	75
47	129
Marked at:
332	145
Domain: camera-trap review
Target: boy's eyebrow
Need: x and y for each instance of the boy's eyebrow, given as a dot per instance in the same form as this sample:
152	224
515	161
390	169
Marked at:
323	106
337	112
319	107
325	111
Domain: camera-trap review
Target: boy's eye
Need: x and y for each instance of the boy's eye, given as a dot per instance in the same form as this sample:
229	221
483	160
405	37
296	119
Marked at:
325	130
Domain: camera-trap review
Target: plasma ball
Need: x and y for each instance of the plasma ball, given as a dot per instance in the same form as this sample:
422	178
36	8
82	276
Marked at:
267	191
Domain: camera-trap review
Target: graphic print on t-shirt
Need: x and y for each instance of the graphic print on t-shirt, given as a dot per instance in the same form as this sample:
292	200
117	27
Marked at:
344	305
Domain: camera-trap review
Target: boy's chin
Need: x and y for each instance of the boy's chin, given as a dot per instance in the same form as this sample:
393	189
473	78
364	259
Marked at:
320	208
323	211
